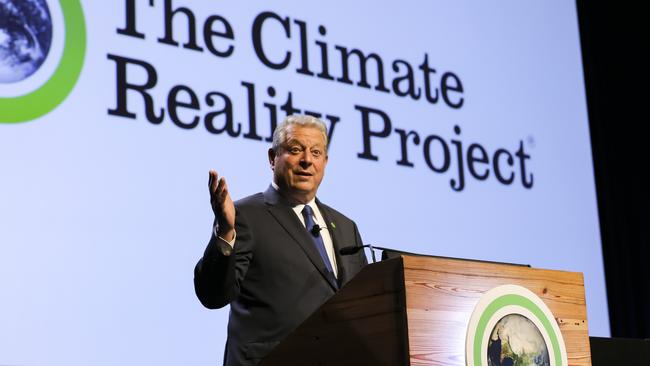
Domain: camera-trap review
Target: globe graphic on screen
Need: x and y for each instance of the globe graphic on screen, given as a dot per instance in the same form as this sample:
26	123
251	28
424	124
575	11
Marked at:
516	341
25	38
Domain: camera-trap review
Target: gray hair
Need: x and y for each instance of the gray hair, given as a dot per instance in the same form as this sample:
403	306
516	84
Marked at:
280	133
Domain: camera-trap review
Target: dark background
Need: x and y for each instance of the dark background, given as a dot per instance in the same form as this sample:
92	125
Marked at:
614	40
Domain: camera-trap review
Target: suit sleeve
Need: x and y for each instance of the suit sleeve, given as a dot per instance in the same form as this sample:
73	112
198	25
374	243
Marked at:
217	277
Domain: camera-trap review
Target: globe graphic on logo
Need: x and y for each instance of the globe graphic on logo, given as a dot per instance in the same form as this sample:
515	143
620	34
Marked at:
516	341
25	38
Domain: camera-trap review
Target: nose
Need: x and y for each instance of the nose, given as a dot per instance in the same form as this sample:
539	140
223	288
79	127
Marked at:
306	159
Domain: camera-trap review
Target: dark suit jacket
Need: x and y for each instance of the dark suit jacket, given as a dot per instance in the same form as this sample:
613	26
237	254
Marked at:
275	278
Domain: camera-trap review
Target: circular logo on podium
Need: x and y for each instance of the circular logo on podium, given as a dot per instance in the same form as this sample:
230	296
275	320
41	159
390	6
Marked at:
511	326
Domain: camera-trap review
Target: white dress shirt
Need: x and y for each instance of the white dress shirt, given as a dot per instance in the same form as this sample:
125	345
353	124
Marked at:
324	231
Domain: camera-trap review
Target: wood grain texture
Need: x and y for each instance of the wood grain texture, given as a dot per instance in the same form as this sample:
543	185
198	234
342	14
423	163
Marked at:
414	310
441	294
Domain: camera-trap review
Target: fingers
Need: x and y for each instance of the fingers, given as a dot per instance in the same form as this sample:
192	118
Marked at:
212	181
220	187
217	186
212	176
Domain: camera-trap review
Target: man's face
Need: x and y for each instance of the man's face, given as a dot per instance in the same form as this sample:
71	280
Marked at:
299	164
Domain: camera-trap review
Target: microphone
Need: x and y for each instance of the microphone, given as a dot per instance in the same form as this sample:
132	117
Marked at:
355	249
351	250
315	230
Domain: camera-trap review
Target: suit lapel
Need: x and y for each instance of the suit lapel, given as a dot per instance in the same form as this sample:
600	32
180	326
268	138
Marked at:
287	218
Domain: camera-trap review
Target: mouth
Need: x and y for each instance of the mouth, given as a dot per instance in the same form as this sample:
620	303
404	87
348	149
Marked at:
304	174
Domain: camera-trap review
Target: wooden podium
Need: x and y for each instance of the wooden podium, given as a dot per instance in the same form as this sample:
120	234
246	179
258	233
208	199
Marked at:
414	310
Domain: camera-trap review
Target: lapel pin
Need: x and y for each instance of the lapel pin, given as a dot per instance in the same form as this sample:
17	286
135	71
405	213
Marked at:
333	225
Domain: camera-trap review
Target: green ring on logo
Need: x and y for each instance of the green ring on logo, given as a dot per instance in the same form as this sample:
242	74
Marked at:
49	95
518	300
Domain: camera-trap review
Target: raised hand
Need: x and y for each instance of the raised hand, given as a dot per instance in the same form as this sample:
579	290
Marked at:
222	206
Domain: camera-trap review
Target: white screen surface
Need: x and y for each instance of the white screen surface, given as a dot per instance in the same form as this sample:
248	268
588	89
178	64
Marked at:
104	216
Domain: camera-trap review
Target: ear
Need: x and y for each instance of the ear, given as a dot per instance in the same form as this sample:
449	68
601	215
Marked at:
271	154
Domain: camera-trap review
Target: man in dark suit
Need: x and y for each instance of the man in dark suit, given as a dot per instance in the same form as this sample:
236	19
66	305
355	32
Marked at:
273	256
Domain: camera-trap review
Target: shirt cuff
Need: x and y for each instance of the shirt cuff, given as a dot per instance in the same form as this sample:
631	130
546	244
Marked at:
225	246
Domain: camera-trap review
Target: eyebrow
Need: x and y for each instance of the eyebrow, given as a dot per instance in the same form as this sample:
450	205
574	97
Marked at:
297	142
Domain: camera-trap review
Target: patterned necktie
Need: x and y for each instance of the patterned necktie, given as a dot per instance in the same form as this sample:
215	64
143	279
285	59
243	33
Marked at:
308	214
